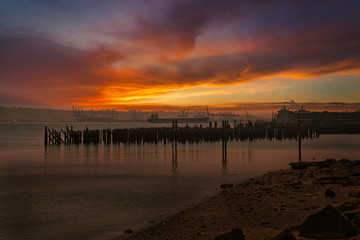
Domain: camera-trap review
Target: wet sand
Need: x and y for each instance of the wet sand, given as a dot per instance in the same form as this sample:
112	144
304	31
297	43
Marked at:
264	206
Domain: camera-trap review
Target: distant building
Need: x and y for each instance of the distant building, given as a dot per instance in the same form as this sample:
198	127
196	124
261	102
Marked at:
285	116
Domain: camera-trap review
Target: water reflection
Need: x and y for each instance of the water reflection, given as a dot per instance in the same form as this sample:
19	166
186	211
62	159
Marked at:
192	159
174	158
224	156
45	160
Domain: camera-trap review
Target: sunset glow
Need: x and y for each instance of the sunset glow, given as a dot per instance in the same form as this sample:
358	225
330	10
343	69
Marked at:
170	54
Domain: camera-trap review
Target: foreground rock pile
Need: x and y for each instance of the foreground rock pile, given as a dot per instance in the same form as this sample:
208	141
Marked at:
312	200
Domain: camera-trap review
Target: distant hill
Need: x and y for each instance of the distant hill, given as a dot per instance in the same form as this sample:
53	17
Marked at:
34	114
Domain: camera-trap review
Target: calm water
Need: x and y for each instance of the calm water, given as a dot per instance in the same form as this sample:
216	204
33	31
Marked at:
96	192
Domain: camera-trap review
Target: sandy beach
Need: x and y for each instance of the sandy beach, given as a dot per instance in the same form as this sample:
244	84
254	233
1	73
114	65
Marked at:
265	206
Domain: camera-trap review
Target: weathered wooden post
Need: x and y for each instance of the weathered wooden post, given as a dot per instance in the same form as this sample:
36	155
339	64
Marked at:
46	137
299	147
299	139
157	136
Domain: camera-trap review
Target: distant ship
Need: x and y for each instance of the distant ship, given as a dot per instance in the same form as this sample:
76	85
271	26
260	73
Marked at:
154	118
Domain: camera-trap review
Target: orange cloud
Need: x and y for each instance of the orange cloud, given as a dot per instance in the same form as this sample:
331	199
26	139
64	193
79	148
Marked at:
187	45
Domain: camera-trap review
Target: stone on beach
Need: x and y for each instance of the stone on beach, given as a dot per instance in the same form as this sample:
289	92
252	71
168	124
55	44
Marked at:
300	165
225	186
328	223
128	231
330	193
348	206
235	234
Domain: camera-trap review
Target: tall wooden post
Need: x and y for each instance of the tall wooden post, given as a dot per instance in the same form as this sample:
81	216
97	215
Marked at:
46	136
299	139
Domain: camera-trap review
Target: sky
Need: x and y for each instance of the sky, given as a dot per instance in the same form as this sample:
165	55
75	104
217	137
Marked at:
166	54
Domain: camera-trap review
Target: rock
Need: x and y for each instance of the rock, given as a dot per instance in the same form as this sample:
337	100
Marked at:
259	183
226	186
323	165
328	223
286	234
310	208
295	184
330	193
344	160
235	234
349	182
300	165
356	162
333	177
331	160
128	231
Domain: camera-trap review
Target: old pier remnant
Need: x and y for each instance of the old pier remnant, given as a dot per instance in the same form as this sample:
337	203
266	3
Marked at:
155	135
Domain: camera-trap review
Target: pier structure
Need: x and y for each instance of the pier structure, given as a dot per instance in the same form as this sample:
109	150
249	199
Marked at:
181	135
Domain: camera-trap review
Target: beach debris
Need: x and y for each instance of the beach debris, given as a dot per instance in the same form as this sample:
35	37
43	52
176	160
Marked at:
356	221
330	193
348	206
328	223
344	160
287	234
310	208
259	182
235	234
128	231
351	215
226	186
330	160
333	178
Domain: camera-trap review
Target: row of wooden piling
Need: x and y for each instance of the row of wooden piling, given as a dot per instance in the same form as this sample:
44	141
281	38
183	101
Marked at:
178	134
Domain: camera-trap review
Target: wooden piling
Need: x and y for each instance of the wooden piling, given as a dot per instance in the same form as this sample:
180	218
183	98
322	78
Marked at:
46	137
299	140
174	134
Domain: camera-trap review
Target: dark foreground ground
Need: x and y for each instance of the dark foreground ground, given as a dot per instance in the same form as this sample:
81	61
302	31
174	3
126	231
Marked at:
266	206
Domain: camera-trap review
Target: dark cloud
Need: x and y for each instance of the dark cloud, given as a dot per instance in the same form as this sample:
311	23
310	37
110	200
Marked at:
40	61
38	69
309	38
291	38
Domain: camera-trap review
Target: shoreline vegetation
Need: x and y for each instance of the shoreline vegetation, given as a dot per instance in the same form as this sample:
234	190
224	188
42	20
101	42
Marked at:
307	201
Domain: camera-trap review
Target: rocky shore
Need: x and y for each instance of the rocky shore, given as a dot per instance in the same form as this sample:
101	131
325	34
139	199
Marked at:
310	200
